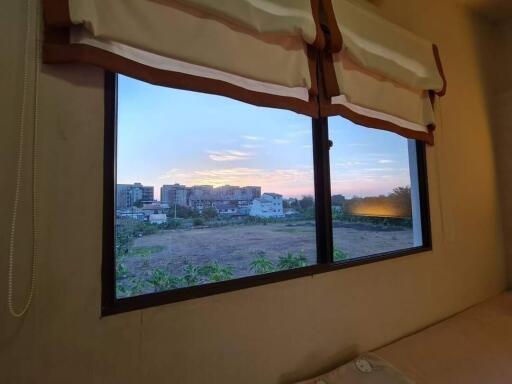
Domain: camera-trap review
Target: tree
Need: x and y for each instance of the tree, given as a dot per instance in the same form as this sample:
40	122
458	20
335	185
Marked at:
209	213
338	200
183	212
138	204
306	202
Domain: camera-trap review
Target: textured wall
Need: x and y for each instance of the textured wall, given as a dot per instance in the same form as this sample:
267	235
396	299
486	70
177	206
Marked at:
497	65
269	334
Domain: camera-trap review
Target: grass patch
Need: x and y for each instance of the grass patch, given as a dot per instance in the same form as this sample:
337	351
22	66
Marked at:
145	251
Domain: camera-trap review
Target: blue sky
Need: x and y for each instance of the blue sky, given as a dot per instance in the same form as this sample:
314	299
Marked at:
168	136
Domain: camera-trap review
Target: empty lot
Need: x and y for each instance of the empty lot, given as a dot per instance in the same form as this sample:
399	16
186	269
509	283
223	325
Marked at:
238	245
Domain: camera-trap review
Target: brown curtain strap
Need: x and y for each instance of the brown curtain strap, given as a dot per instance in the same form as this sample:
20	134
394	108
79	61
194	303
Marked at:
319	42
334	42
439	64
56	13
330	81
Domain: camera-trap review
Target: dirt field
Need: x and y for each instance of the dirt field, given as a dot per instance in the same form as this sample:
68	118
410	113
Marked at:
237	246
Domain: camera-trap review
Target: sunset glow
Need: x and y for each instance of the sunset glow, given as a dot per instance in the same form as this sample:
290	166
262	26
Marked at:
168	136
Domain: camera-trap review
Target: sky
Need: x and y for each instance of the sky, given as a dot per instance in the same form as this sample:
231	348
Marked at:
168	136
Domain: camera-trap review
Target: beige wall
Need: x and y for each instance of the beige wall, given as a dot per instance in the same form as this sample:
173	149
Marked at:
269	334
497	65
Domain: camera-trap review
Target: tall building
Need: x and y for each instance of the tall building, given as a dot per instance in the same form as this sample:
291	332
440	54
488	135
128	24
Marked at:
201	191
250	192
129	194
228	192
174	194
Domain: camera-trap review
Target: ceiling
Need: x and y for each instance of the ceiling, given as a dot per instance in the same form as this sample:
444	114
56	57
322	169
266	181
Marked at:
495	10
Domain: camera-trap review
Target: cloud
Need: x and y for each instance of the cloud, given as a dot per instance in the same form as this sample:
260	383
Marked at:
281	141
251	146
299	130
253	138
228	155
286	181
348	164
386	161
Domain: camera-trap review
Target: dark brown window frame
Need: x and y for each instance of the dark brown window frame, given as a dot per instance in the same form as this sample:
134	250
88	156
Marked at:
110	304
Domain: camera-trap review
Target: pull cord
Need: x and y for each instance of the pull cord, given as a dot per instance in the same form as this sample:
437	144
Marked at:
19	169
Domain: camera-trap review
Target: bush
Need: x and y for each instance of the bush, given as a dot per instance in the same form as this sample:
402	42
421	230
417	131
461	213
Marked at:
162	280
171	224
261	264
339	255
291	261
198	221
215	272
209	213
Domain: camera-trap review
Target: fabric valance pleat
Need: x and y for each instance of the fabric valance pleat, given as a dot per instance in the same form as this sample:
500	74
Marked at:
274	53
378	73
178	44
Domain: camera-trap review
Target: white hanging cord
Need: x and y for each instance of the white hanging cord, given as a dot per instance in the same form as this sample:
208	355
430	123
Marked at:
19	168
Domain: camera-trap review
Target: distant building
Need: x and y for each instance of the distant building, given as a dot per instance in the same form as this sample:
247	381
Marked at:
157	218
174	194
227	209
129	194
200	203
268	205
228	192
155	208
250	193
201	190
133	213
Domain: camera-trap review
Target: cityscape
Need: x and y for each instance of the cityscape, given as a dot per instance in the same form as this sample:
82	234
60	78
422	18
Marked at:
137	201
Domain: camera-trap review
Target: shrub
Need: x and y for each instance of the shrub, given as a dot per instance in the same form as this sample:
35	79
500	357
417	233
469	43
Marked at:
160	279
197	221
171	224
121	270
209	213
215	272
339	255
291	261
261	264
191	276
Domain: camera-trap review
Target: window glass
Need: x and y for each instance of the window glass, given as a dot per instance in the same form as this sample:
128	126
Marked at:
208	189
375	191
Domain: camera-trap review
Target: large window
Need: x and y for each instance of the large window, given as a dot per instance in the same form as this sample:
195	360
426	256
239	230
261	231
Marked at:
204	194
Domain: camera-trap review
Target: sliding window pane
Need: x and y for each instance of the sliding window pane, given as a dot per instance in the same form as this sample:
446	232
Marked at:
208	189
375	191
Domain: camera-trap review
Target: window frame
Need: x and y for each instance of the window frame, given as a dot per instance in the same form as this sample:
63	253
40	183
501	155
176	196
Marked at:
110	304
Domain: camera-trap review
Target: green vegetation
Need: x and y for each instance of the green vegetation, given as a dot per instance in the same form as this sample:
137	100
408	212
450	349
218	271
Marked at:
339	255
159	279
261	264
209	213
215	272
291	261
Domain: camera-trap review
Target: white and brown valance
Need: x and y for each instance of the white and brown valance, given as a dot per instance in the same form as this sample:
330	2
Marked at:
377	73
260	57
264	52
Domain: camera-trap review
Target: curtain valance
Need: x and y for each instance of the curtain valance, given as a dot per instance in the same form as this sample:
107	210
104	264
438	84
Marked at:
378	74
184	44
264	52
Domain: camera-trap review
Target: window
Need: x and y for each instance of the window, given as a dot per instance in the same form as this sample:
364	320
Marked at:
376	205
205	194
